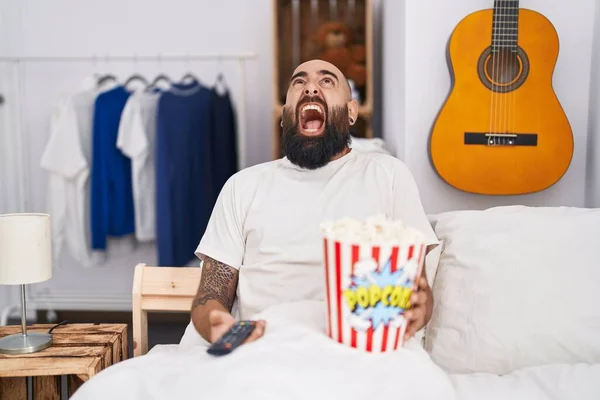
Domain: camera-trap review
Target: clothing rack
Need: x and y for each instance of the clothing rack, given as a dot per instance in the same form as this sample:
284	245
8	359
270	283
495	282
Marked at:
241	59
59	300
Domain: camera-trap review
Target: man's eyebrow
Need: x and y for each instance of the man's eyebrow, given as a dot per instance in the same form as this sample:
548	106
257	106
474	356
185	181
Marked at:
299	74
327	72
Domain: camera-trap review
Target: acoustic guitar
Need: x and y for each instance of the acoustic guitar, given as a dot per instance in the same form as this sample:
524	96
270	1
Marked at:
502	130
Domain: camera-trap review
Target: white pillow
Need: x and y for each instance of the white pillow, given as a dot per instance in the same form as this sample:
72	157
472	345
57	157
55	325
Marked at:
516	287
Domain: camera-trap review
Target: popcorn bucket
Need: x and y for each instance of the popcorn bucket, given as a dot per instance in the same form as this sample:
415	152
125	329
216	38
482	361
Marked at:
370	271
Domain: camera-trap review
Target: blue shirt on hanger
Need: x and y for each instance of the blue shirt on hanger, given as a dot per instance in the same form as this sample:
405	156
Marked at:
224	139
111	207
184	183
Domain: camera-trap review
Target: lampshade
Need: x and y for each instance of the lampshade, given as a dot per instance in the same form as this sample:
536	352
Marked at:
25	249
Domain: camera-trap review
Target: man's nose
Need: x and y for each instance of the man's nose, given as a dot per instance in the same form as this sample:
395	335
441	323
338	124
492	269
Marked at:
311	90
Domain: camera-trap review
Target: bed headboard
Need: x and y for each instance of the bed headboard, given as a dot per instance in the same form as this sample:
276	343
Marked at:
170	289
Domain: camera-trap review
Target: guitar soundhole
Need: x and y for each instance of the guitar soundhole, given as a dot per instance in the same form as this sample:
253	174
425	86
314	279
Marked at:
503	70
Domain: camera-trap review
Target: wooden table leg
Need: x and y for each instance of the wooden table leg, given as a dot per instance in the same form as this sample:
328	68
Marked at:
125	347
13	388
46	387
74	383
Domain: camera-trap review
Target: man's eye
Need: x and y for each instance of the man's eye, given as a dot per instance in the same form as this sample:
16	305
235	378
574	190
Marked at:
297	81
327	81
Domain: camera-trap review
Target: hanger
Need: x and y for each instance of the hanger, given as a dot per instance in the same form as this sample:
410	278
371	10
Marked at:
105	78
221	85
160	77
190	76
136	77
102	79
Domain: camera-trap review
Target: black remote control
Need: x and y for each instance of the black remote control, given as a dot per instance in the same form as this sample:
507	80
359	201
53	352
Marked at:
232	338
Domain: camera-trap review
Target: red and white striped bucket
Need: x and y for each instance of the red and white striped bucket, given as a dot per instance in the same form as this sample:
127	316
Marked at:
368	288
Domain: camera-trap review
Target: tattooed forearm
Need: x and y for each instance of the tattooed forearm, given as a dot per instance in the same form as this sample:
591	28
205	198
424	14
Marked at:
218	282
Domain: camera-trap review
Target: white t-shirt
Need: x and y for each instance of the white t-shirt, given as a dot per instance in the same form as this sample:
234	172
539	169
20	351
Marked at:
374	145
266	221
67	158
136	137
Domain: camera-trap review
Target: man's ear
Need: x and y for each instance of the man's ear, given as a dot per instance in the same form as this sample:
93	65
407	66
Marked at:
352	111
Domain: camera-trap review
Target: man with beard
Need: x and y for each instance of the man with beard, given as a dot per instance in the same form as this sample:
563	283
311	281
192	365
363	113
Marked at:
263	245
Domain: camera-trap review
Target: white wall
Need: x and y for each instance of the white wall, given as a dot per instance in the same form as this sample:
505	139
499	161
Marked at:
414	79
593	151
393	66
418	65
111	27
11	190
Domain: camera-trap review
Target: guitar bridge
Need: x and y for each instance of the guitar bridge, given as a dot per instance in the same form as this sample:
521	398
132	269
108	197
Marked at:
500	139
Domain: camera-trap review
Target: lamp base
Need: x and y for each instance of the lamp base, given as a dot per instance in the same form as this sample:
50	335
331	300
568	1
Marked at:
19	344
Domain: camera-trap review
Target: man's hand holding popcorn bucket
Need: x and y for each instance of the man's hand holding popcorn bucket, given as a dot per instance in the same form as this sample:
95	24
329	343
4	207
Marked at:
376	295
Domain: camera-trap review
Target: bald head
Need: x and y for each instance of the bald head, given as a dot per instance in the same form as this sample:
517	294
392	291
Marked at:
324	68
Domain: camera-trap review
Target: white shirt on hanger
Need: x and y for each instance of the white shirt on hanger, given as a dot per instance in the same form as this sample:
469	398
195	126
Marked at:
136	137
67	158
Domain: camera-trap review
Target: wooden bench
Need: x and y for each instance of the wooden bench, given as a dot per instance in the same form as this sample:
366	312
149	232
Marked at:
164	289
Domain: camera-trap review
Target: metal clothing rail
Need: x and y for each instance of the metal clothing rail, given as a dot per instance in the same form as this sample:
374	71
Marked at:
133	58
240	58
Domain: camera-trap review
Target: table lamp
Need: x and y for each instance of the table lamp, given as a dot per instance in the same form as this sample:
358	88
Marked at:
25	257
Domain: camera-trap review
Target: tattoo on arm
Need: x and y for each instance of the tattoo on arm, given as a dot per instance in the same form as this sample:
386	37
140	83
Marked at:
218	282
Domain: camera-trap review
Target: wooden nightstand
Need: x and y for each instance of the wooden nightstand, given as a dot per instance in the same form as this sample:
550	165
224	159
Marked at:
78	351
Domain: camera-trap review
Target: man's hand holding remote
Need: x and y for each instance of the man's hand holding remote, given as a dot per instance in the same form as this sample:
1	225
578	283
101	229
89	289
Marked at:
220	322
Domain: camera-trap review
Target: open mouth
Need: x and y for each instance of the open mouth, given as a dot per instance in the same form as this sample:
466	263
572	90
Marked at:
312	119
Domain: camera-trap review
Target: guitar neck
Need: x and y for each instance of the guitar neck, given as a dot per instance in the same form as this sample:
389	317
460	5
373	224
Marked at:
505	25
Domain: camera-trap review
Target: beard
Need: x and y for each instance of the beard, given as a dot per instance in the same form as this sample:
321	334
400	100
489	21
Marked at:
312	152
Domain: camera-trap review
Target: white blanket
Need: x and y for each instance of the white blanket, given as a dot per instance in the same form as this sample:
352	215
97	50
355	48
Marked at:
550	382
294	360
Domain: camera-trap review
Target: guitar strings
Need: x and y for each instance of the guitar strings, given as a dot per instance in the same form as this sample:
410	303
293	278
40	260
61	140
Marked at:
515	32
497	68
498	75
511	64
501	73
493	77
486	69
513	71
507	95
504	72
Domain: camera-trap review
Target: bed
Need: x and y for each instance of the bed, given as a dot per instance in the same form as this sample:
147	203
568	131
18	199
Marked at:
517	316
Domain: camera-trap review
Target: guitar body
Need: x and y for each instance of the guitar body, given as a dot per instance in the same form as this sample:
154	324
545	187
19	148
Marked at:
502	130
